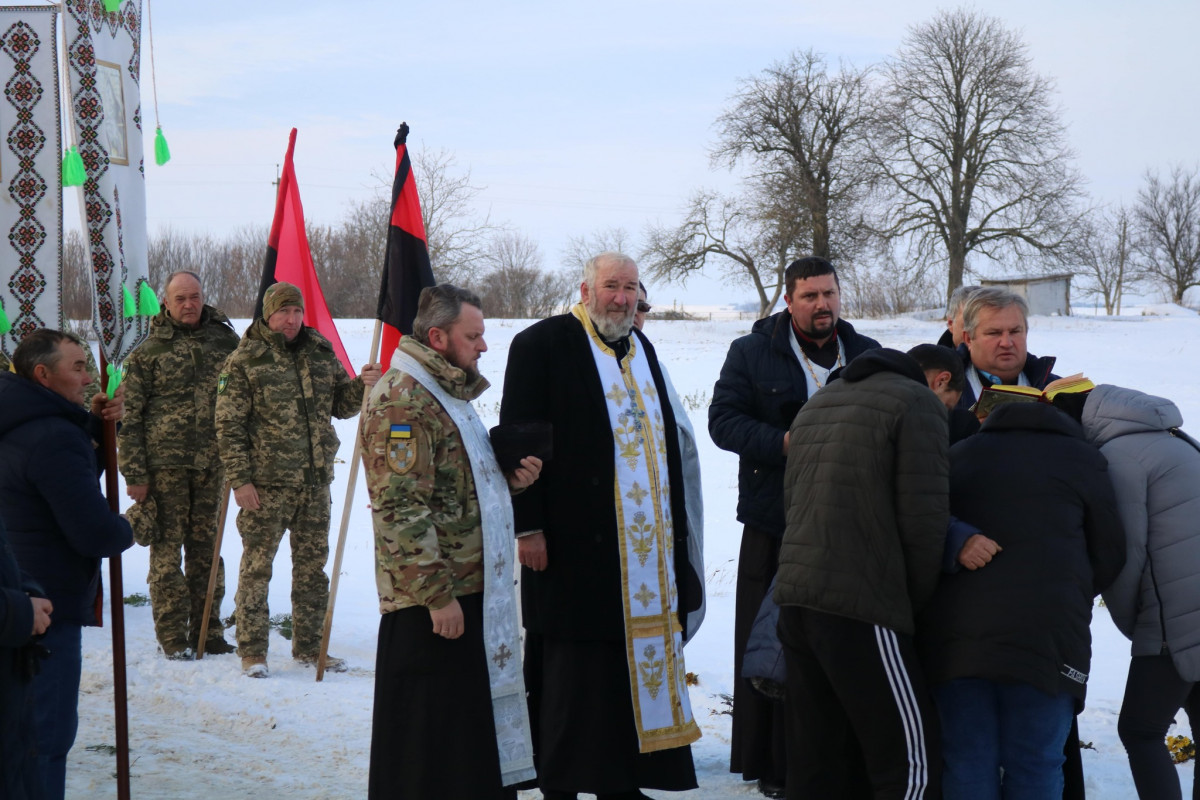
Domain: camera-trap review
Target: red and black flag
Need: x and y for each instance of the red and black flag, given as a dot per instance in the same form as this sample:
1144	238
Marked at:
289	259
406	268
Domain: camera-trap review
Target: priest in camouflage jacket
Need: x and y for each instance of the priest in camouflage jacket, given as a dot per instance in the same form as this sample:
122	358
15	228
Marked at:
275	397
168	455
448	683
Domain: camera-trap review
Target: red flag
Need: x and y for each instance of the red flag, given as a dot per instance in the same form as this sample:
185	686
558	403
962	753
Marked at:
289	259
406	268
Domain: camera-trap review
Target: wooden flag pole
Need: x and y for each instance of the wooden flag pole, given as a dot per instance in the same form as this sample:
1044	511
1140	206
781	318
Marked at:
212	573
346	507
117	592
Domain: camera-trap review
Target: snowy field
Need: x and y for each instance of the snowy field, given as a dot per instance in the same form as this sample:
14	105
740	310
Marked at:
202	730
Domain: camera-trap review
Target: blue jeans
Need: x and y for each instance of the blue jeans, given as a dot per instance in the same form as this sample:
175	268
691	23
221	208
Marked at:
988	726
56	704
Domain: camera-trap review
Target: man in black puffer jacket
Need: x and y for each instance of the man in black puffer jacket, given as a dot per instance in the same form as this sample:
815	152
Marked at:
1007	647
866	500
767	376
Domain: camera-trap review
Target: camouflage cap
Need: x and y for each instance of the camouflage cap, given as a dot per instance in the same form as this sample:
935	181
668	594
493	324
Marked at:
279	295
143	518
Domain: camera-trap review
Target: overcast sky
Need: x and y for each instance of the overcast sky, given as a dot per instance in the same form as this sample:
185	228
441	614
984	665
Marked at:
583	116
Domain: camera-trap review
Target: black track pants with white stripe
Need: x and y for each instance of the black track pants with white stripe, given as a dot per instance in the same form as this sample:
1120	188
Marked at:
860	720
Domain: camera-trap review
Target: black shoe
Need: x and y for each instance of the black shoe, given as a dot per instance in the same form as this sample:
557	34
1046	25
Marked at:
636	794
218	647
559	795
770	788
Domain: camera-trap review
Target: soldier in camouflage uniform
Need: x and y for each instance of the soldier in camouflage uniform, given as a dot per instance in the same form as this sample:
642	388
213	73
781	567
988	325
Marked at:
431	680
275	397
168	454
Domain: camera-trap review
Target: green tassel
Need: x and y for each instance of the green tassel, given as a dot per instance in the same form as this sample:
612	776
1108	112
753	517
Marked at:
114	380
130	307
5	325
162	153
73	173
147	302
112	6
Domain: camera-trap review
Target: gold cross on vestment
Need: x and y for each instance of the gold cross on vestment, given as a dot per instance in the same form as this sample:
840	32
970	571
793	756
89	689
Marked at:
617	395
644	596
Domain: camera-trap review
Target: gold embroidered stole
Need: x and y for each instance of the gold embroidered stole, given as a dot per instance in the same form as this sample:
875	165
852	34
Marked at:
642	493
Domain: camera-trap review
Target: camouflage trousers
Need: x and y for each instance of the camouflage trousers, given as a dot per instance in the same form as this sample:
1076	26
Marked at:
188	501
304	510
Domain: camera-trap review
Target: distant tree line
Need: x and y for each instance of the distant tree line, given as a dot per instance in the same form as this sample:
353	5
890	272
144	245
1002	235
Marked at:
502	265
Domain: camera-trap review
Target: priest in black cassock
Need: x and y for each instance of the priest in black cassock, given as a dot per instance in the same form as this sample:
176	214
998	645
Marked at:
605	580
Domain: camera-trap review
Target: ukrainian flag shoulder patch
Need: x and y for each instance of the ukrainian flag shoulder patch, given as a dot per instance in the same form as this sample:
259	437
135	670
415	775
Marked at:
400	432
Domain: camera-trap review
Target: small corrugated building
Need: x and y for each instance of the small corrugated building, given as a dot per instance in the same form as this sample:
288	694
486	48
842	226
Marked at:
1047	295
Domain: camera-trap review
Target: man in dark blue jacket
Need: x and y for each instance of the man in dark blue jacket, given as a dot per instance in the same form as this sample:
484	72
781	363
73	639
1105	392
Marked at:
995	326
59	523
767	376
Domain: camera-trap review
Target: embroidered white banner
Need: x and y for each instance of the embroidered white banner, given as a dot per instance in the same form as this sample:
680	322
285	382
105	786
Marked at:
30	164
104	75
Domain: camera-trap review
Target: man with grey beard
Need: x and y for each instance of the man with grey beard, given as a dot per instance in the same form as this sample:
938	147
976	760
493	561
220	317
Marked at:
608	513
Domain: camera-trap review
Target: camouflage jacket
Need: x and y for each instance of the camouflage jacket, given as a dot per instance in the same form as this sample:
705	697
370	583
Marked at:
428	541
274	404
170	392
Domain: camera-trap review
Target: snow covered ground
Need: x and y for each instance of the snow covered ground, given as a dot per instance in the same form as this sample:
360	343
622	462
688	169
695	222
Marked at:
202	730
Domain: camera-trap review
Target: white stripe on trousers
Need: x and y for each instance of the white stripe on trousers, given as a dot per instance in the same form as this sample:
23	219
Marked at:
910	712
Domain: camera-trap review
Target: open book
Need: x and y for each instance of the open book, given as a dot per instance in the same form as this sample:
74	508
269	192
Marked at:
999	394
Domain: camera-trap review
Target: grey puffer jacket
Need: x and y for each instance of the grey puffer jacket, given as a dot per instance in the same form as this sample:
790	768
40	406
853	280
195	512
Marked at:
1156	476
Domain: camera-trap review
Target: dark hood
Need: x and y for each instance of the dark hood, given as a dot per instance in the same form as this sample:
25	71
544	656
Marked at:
883	360
1031	417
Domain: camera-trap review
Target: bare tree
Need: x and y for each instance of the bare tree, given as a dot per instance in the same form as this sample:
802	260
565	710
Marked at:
232	269
1168	214
752	239
579	249
803	131
972	146
76	283
456	236
515	285
1106	253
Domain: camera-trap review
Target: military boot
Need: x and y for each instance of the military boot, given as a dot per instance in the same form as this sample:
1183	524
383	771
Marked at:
216	646
255	667
177	651
332	663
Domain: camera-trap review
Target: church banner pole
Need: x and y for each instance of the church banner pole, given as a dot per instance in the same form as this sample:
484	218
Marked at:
346	508
213	572
116	591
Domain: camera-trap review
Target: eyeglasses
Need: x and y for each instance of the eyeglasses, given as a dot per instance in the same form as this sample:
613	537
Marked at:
643	307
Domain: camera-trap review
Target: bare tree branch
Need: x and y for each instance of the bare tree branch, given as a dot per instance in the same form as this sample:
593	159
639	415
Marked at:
1168	216
972	147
